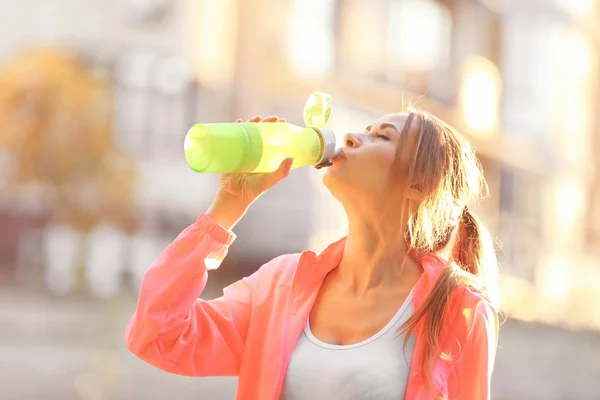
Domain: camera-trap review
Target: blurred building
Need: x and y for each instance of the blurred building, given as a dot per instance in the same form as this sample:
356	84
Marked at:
519	78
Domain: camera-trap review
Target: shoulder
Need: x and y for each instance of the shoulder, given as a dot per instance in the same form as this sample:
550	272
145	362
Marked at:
281	267
266	283
472	313
278	271
266	279
469	296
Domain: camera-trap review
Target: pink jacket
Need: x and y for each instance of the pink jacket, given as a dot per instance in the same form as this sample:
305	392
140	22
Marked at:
251	331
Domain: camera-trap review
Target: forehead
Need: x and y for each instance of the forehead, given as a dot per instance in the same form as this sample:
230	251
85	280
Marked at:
396	119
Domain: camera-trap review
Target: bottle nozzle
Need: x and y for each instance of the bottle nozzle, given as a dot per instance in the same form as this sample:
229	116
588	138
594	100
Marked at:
316	115
317	110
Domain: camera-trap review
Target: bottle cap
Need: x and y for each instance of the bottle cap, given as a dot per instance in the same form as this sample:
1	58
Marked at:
330	149
223	148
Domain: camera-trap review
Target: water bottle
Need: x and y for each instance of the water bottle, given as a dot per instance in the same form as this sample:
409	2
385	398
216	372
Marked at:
262	146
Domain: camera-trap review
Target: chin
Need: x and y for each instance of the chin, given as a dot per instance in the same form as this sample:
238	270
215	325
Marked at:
329	179
336	184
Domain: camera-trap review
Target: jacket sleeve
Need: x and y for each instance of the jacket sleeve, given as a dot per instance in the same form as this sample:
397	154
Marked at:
474	371
176	331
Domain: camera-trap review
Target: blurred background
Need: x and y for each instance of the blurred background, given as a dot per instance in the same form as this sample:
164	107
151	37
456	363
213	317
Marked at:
97	96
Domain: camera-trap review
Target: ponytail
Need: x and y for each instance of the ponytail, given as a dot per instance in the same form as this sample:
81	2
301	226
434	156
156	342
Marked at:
474	264
474	253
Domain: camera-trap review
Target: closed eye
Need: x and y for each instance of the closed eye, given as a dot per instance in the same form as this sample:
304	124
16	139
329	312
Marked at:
384	127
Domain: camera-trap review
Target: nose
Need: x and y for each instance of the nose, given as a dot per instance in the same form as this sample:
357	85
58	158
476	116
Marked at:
351	140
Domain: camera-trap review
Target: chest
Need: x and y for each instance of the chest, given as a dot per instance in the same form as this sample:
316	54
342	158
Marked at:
346	320
377	368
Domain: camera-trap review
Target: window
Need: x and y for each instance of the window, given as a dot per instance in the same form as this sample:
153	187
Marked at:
418	35
312	41
362	33
404	42
212	35
519	222
577	86
479	95
578	7
419	45
548	82
154	97
593	217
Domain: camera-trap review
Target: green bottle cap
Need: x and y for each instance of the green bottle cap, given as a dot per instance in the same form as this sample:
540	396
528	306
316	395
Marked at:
223	147
317	110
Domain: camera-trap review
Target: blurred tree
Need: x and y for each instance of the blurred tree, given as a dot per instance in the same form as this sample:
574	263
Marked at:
56	127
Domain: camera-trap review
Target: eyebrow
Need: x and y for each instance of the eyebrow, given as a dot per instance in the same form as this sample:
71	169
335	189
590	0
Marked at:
383	126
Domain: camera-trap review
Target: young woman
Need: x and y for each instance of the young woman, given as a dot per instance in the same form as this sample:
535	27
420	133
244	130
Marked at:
403	307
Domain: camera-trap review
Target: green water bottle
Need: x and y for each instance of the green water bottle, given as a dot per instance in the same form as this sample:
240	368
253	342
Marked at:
262	146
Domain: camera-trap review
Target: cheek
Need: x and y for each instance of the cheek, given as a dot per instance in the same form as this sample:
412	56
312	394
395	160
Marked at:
372	172
376	163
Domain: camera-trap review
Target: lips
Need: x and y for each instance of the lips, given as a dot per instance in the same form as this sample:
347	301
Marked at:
340	155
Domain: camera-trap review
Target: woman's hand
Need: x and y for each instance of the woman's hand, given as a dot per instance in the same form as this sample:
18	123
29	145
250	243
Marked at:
238	190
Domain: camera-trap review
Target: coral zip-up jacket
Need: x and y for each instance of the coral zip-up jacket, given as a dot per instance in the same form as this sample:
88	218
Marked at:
251	331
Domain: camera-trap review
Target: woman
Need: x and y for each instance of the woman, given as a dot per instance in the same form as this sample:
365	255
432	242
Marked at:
404	307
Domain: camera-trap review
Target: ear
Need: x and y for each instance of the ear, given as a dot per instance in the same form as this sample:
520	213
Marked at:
414	193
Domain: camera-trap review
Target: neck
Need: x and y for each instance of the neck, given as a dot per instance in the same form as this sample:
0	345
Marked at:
375	253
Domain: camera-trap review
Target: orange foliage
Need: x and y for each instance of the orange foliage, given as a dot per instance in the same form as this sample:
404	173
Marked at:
56	122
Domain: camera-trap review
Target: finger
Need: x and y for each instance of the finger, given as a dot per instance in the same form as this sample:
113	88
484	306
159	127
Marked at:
256	118
271	118
282	120
280	173
238	120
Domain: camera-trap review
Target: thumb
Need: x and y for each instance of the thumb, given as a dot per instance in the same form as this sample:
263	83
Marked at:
285	167
280	173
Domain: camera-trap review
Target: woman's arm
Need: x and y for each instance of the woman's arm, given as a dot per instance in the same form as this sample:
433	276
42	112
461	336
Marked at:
172	328
176	331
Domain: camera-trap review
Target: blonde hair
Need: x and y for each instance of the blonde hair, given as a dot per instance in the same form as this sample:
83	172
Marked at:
445	169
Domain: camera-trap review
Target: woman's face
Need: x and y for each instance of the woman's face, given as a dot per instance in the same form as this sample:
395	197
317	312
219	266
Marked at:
365	166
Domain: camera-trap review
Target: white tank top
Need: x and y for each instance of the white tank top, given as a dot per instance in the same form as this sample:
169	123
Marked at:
375	369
